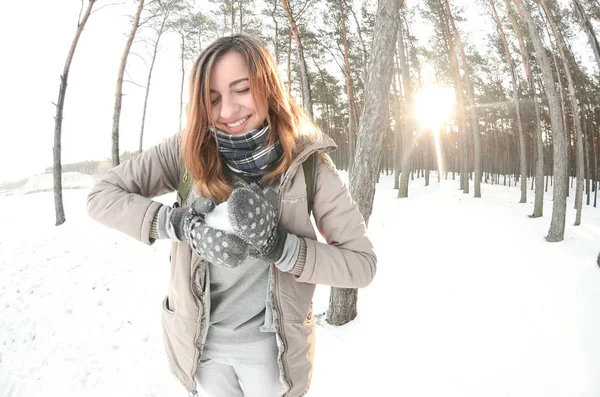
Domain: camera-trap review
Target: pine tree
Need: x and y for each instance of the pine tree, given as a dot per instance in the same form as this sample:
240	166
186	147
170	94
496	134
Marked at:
62	92
373	124
119	88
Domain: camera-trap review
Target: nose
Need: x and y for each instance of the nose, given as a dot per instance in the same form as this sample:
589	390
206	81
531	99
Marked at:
229	108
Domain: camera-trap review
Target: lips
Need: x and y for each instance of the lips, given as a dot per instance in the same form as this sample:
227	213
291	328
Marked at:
237	123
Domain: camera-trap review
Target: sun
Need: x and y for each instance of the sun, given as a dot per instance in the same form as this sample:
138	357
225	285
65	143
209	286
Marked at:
434	105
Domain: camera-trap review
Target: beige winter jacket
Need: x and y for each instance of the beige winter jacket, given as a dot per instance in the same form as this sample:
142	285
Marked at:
122	200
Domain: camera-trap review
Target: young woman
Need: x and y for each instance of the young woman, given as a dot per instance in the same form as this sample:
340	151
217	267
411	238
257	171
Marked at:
238	315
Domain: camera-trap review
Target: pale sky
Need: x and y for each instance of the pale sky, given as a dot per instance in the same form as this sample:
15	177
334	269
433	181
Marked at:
33	59
34	50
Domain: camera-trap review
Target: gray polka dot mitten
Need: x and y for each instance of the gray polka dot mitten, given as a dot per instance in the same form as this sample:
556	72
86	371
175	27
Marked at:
216	246
174	223
254	220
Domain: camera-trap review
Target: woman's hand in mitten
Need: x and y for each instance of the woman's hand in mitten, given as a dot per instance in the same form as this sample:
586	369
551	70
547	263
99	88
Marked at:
218	247
254	220
179	219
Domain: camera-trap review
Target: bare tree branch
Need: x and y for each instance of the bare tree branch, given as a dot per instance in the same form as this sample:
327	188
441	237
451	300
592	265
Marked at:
130	80
332	55
141	57
134	83
148	41
150	18
360	37
79	17
145	40
303	10
107	5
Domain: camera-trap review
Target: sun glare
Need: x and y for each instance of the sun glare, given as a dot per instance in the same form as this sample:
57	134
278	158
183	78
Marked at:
434	105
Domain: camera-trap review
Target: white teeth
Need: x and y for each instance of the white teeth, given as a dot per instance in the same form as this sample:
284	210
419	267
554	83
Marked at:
239	122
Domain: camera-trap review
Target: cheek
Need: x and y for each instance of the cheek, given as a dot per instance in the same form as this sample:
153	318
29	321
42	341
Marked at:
261	109
249	103
215	110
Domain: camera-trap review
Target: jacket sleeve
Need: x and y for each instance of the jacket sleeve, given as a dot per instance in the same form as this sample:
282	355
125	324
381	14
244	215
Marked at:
122	199
348	259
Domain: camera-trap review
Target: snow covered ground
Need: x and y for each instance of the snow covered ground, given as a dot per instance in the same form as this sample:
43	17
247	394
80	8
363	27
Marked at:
469	301
45	183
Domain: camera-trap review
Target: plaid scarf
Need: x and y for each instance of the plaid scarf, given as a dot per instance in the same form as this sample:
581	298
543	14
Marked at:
249	154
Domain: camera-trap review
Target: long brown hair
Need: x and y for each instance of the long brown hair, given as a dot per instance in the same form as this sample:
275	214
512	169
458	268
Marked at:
199	148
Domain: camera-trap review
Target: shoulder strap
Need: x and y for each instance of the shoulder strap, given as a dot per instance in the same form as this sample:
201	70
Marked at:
185	184
310	174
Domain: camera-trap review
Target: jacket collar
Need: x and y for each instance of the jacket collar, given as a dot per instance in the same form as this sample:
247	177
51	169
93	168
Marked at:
307	145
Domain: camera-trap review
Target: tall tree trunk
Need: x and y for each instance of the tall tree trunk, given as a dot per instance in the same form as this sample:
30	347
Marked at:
408	118
426	157
199	37
352	117
563	109
241	11
559	207
596	162
579	170
538	206
326	117
399	117
276	39
289	63
522	148
60	104
182	58
119	89
472	105
224	31
589	30
360	38
160	32
307	99
586	150
232	15
460	100
373	124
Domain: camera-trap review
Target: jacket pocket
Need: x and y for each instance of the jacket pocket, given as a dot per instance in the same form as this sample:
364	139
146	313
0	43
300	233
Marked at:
178	337
300	338
295	298
165	306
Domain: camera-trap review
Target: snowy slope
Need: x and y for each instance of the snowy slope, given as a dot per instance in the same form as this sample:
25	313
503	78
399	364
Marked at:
469	300
45	183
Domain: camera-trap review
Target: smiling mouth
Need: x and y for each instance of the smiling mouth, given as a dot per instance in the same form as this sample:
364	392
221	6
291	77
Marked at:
237	123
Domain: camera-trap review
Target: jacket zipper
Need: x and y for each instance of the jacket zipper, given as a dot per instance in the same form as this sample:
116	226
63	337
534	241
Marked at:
282	332
194	393
276	295
282	187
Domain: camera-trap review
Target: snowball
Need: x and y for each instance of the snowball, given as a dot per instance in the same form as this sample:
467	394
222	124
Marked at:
219	218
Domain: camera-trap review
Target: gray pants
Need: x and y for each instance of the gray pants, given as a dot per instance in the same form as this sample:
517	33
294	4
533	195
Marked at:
243	370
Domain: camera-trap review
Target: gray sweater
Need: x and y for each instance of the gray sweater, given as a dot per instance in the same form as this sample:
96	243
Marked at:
239	298
237	302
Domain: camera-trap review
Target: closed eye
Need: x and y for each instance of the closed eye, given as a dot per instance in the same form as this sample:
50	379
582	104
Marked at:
245	90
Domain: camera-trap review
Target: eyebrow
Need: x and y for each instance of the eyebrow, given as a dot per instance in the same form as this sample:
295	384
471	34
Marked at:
235	82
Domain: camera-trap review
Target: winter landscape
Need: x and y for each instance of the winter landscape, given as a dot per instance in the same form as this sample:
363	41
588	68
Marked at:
469	300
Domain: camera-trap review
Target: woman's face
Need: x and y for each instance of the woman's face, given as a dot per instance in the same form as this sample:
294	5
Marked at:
234	110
